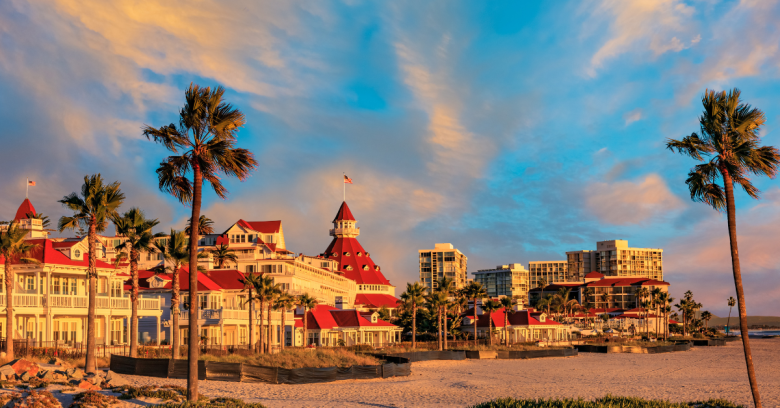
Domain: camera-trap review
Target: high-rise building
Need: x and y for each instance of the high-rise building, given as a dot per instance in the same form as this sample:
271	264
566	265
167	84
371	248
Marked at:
443	260
505	280
581	263
616	258
550	271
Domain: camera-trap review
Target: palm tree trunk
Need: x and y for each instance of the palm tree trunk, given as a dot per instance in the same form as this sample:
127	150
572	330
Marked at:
506	328
134	304
175	340
261	339
743	326
440	329
728	321
9	321
251	319
192	350
305	328
90	365
270	331
490	328
284	334
475	322
414	326
445	328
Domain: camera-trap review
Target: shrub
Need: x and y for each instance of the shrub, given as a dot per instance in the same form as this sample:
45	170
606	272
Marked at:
165	393
299	358
93	399
605	402
34	399
213	403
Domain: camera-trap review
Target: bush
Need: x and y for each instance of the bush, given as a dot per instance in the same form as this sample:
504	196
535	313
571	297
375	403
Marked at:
93	399
299	358
605	402
165	392
213	403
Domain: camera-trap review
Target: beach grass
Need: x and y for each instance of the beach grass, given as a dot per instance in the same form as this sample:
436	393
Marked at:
211	403
289	359
604	402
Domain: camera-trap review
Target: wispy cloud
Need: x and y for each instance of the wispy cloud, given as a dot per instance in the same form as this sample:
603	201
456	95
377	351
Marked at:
631	202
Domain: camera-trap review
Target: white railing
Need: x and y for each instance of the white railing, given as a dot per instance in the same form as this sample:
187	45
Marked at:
235	314
120	303
68	301
148	304
345	231
27	300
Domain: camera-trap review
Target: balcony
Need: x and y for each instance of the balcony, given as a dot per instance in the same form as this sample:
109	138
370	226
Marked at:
344	231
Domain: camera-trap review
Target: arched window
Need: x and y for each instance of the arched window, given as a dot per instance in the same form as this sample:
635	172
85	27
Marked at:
77	253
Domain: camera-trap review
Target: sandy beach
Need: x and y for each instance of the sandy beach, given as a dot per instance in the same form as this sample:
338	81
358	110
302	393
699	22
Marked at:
702	373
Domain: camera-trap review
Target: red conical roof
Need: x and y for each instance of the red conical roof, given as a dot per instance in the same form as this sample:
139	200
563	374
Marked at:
27	208
344	213
349	253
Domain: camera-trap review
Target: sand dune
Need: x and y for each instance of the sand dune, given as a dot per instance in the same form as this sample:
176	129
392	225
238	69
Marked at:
703	373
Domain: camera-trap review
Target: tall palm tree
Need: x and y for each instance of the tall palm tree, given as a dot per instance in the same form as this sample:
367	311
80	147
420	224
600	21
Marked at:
13	247
176	252
731	303
729	151
706	316
667	311
205	226
639	295
646	306
264	293
97	203
490	306
307	303
475	291
414	297
655	296
204	147
436	301
45	221
542	283
508	304
274	291
250	281
222	255
446	286
284	302
137	229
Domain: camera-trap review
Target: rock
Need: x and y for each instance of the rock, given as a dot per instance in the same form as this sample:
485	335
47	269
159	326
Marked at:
85	385
25	376
46	375
2	377
20	366
57	376
74	373
115	380
56	361
7	371
94	379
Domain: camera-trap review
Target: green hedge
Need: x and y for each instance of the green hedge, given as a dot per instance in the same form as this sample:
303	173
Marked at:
605	402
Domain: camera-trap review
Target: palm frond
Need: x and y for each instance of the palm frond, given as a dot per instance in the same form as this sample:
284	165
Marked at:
691	145
700	183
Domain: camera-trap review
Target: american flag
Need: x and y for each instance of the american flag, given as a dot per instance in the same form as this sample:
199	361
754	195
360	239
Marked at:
347	180
30	183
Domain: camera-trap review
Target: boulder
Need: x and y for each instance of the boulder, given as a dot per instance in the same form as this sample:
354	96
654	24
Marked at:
86	385
56	361
74	373
46	375
25	376
2	377
115	380
7	371
94	379
20	366
57	376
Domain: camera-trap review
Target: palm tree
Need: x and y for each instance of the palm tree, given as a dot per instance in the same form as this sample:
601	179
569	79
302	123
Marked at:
646	306
414	296
490	306
508	305
640	295
436	301
656	302
45	221
13	247
204	147
605	297
284	302
706	316
250	281
446	286
475	291
92	210
542	283
732	302
667	311
134	226
176	252
274	290
264	293
307	303
222	255
205	226
728	148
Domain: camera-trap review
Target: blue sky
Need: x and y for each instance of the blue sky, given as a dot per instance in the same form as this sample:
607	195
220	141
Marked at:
515	130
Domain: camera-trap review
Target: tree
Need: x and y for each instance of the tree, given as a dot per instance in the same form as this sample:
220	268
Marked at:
475	290
436	302
274	290
92	210
222	255
640	295
175	250
45	221
250	281
508	304
542	283
646	307
731	303
706	316
729	151
13	247
446	286
384	313
656	302
265	291
606	298
307	303
205	226
204	144
413	297
490	306
137	229
285	302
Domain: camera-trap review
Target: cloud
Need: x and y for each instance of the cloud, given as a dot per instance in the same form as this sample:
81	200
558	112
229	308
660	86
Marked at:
633	116
643	25
631	202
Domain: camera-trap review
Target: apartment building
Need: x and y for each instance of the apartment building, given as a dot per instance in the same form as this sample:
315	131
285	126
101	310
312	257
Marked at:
616	258
510	280
444	260
549	271
602	292
581	263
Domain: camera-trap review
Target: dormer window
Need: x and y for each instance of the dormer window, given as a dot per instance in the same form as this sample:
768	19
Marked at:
77	253
376	267
349	267
365	267
542	317
359	254
374	317
335	254
346	254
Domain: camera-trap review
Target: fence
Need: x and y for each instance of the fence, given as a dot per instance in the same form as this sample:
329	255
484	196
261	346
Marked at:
240	372
587	348
35	348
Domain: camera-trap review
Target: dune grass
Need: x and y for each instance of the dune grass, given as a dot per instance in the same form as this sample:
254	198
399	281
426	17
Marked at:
102	362
299	359
605	402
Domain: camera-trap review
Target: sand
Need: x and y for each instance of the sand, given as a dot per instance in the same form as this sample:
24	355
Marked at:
702	373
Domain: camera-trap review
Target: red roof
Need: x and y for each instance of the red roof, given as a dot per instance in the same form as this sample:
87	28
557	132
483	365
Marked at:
344	213
24	209
364	271
227	278
327	317
594	275
266	227
376	300
353	318
46	254
518	318
64	244
626	282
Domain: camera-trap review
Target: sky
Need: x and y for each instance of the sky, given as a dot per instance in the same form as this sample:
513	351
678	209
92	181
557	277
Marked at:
516	131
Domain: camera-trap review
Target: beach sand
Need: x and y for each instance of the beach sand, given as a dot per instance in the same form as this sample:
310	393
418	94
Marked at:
702	373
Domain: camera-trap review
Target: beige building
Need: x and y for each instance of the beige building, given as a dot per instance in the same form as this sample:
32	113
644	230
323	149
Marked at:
616	258
444	260
581	263
505	280
550	271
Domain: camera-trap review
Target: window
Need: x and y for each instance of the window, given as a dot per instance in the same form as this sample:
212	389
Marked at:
55	288
203	301
269	239
31	283
243	238
77	253
250	269
251	238
74	290
65	286
232	239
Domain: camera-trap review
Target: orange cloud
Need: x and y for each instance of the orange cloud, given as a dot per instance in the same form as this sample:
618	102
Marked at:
631	202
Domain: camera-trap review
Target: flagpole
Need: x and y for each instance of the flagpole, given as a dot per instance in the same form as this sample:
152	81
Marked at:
345	186
27	192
